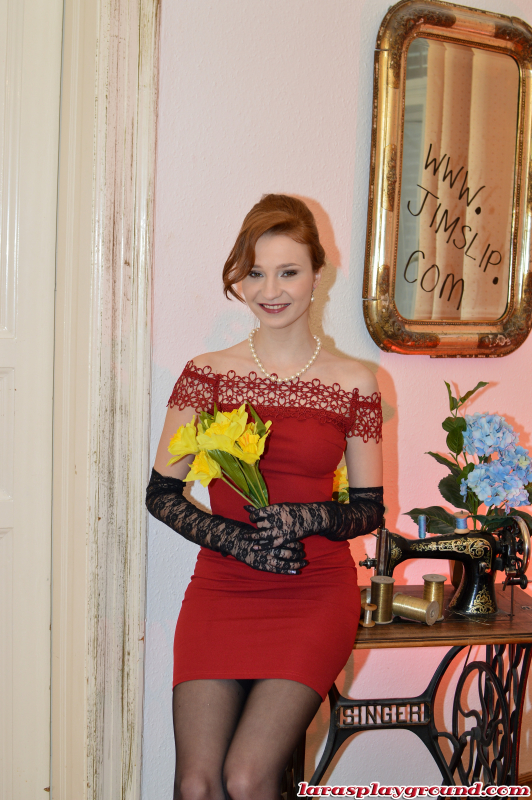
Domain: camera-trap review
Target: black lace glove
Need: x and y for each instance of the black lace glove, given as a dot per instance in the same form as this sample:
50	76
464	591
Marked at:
285	522
165	500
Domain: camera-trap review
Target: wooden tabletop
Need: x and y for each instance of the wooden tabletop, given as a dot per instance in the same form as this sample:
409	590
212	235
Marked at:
454	629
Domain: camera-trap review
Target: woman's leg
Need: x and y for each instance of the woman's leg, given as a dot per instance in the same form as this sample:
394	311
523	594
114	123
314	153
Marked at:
275	716
206	713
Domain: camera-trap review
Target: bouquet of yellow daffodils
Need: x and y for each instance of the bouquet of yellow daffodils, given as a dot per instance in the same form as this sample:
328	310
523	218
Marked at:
226	446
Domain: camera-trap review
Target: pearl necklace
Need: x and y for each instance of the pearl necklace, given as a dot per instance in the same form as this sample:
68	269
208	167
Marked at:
268	374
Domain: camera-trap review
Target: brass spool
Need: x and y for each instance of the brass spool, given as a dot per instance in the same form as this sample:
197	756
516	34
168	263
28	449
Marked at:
381	596
415	608
433	590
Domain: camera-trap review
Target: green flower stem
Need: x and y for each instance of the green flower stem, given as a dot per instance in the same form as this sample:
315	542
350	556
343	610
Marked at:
473	504
249	482
260	487
253	480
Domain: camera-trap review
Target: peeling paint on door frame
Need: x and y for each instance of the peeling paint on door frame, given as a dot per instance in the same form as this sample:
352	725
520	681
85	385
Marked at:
120	370
99	621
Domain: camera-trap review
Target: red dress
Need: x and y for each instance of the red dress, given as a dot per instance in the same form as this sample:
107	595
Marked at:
238	622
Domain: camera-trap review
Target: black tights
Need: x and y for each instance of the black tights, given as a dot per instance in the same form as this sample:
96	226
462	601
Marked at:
234	738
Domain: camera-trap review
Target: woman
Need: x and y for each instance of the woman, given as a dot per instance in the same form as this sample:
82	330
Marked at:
270	615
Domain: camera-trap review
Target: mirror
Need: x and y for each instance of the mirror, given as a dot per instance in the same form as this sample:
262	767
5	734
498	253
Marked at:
447	263
457	185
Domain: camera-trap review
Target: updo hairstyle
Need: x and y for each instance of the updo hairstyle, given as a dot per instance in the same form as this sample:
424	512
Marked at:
273	214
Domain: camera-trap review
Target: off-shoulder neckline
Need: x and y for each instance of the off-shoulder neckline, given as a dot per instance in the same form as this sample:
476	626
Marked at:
208	372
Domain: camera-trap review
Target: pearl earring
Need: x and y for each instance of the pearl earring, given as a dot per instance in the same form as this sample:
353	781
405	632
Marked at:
312	296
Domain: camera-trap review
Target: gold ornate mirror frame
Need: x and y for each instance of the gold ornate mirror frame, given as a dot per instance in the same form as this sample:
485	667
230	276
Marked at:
482	336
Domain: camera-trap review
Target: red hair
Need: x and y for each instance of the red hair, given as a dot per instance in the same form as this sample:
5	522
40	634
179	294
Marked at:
273	214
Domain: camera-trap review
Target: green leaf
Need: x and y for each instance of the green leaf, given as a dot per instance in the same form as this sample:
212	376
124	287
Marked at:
467	470
231	467
516	512
498	512
448	424
450	490
261	427
453	403
455	441
455	469
205	419
439	526
440	521
341	497
454	423
491	521
467	395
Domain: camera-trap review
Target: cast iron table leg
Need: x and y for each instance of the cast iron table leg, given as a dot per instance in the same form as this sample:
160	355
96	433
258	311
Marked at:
485	743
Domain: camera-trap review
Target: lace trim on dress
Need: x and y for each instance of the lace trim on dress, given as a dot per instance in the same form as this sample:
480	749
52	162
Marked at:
352	413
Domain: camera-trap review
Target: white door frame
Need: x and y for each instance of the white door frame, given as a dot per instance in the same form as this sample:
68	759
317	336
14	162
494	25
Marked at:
102	387
30	73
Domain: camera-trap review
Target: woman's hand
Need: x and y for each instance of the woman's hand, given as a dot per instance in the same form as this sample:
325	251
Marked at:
288	559
282	523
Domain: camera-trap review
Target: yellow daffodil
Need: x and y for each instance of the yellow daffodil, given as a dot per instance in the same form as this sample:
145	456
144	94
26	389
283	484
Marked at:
210	440
224	431
252	426
183	442
252	446
239	414
230	423
204	469
341	485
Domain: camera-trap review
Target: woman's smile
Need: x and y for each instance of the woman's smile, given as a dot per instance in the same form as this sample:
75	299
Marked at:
274	308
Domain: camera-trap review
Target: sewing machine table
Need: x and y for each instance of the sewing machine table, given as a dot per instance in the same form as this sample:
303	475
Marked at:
487	750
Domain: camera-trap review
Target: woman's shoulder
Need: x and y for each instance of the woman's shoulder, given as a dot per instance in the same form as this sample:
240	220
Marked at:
349	374
236	358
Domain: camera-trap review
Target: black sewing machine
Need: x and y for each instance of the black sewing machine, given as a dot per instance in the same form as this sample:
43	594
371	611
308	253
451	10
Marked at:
481	554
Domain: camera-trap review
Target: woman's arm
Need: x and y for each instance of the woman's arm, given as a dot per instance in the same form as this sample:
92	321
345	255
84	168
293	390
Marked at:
284	522
166	502
174	419
364	513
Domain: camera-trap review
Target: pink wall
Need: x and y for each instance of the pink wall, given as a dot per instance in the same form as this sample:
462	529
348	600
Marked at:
276	96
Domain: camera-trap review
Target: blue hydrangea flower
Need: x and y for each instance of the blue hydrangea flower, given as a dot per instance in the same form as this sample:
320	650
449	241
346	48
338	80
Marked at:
487	434
520	462
494	484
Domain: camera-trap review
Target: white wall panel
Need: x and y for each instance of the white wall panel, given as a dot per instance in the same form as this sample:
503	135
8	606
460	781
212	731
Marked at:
277	97
11	28
30	73
6	662
7	430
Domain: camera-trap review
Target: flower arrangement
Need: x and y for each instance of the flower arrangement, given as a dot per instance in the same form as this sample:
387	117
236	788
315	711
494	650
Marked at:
487	467
227	446
341	485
